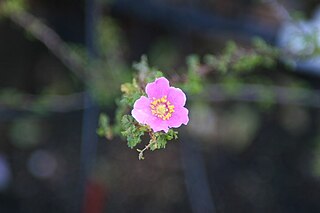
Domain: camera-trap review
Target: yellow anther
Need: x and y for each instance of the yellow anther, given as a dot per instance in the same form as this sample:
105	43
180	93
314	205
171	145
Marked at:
162	108
164	99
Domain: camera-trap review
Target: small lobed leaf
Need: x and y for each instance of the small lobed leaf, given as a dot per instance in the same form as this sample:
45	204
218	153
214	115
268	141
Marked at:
131	93
131	130
162	138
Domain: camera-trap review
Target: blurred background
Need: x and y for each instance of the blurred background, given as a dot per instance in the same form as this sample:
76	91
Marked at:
252	143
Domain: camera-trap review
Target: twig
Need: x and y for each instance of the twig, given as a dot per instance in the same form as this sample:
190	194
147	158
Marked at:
51	40
151	142
257	93
49	103
215	93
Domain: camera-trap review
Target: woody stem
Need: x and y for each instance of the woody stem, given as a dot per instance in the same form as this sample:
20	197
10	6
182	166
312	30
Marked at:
152	141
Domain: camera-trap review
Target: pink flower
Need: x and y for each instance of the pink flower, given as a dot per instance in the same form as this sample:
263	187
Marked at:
163	108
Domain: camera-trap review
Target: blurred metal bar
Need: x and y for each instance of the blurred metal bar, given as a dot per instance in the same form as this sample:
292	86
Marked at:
88	145
196	179
91	112
191	19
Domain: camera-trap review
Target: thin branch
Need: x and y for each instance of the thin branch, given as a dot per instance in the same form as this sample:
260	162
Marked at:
263	93
51	40
49	103
151	142
214	93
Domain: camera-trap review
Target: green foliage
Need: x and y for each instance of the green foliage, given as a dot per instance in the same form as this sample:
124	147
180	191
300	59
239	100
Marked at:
131	92
231	85
104	80
164	53
162	138
269	53
221	63
109	39
246	63
132	130
194	84
235	59
146	73
108	70
104	128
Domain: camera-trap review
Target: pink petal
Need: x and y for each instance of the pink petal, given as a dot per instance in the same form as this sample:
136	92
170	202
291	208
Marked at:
158	88
141	110
176	97
158	124
180	116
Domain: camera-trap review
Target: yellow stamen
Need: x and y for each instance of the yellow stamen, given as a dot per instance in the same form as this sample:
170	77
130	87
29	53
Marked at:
162	108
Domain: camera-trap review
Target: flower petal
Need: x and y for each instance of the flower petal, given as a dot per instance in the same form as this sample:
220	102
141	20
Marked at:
180	116
158	124
176	97
141	110
158	88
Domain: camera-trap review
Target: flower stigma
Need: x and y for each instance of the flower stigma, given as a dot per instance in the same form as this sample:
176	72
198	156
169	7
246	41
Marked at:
162	108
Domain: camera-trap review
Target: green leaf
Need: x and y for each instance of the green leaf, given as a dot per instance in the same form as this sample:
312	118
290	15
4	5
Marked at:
162	139
131	93
131	130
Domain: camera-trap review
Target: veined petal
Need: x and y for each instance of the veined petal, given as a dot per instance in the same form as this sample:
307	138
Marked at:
176	97
158	88
141	110
179	117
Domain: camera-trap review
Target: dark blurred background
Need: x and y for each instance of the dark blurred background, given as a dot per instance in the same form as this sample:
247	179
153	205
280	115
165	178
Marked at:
234	156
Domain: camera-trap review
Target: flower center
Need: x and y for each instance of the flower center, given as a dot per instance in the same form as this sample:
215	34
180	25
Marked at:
162	108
